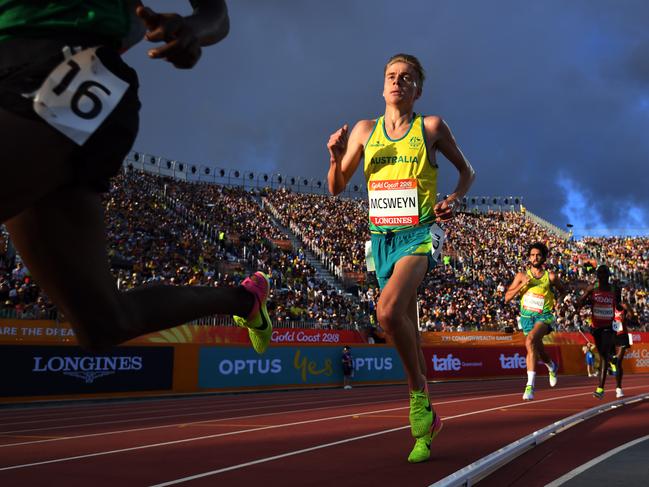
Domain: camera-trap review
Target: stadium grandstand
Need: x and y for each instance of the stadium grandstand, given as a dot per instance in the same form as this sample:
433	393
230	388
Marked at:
180	223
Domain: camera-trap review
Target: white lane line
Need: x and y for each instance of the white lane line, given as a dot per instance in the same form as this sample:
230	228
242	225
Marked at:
199	413
175	425
582	468
297	423
277	457
148	412
233	418
317	447
198	438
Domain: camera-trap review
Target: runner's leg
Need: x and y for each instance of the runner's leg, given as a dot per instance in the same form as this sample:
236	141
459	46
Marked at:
414	317
620	371
62	240
395	318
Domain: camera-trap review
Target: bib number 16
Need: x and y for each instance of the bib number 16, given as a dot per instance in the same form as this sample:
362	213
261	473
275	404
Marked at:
78	95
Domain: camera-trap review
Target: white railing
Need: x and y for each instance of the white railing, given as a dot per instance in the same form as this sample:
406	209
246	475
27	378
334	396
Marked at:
478	470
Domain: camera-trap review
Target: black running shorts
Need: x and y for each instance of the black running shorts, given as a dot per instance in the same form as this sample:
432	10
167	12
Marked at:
25	63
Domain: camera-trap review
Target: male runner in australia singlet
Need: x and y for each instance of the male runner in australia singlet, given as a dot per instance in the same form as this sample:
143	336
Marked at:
401	172
537	319
68	116
601	295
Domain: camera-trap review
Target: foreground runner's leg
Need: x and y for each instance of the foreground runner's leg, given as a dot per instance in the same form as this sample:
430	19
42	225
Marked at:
73	269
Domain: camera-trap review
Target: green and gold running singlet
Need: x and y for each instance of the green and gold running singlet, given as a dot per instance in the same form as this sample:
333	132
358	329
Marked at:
401	181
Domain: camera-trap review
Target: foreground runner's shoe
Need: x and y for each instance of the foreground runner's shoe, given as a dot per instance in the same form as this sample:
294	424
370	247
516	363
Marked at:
421	413
260	328
528	395
619	393
421	450
552	375
599	393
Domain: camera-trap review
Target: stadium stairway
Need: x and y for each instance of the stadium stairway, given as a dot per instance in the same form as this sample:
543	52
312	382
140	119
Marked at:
321	271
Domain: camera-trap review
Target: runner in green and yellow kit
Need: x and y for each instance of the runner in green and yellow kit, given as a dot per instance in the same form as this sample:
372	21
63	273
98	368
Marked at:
399	150
537	318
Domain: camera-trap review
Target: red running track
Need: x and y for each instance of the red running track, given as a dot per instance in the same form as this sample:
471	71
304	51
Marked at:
304	438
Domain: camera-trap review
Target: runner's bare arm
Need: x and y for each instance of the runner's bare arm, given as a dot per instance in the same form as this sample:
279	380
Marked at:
439	136
558	284
211	17
518	284
183	36
345	153
582	299
629	311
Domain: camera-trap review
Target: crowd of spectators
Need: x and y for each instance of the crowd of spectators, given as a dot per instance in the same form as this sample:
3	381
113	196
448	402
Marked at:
483	251
20	297
335	228
180	233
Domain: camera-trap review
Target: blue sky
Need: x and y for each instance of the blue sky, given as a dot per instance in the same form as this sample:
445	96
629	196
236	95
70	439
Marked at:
548	100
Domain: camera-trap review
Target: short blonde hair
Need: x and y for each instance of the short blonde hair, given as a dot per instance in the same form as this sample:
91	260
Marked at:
408	59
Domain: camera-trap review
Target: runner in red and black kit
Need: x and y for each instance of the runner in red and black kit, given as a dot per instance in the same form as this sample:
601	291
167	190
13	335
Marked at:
602	297
623	314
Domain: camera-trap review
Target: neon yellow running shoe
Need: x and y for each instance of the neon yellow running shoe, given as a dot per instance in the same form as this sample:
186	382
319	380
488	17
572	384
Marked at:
421	450
421	413
599	393
552	374
260	328
528	395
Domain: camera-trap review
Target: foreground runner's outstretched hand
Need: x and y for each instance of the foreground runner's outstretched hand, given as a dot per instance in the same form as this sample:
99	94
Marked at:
183	36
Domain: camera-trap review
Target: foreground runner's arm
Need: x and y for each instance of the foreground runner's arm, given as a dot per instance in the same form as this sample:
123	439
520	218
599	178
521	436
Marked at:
439	136
184	36
518	286
345	153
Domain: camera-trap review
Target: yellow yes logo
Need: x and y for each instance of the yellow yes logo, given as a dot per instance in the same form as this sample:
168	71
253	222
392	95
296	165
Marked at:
310	367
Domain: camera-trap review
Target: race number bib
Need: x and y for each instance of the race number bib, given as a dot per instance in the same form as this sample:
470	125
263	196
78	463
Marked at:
393	202
533	302
78	95
618	327
369	258
437	236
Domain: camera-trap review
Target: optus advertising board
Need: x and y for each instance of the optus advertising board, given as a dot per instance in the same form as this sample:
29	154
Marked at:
231	367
